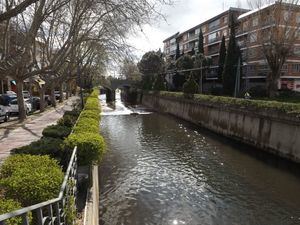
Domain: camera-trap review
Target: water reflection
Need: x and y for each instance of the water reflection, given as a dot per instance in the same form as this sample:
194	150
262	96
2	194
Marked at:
159	170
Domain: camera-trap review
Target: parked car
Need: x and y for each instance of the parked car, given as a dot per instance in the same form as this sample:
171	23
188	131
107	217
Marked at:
4	113
57	95
14	108
36	101
26	95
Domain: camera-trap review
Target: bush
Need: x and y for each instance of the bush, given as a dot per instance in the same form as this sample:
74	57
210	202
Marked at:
92	104
258	92
159	84
87	125
68	120
190	87
30	179
91	114
57	131
46	146
7	206
90	147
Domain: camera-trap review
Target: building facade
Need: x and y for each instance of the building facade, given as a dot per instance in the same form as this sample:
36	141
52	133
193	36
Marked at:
252	28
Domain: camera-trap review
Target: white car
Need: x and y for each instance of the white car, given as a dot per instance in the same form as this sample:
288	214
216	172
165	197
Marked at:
14	108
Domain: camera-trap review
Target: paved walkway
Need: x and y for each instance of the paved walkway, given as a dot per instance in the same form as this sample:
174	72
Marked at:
15	134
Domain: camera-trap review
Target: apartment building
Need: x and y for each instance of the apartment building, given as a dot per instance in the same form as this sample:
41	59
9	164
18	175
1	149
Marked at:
251	28
254	29
213	30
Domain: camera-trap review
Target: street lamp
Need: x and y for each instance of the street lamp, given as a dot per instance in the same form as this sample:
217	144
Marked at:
80	83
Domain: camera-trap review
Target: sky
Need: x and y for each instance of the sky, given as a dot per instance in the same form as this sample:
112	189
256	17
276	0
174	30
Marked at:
182	15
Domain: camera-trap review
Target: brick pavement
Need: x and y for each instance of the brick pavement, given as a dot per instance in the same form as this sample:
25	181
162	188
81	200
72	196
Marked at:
16	134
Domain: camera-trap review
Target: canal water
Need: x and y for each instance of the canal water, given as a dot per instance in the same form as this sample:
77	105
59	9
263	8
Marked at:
159	170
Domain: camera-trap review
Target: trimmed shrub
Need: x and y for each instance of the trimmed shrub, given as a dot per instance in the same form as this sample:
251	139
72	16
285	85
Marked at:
190	87
57	131
30	179
67	120
46	146
7	206
87	125
92	104
91	114
90	146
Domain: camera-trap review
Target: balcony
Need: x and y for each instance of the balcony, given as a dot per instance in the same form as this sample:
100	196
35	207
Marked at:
213	40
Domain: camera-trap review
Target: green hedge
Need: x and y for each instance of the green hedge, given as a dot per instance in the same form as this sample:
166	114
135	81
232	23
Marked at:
57	131
86	134
87	125
30	179
46	146
92	114
7	206
240	102
68	120
90	147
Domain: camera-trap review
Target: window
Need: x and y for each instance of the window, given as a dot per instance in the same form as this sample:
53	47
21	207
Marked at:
297	51
298	18
225	33
255	22
212	37
197	31
295	68
213	25
185	37
225	20
245	25
203	29
252	53
253	37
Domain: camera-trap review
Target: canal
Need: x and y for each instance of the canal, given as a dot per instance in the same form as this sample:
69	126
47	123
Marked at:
162	171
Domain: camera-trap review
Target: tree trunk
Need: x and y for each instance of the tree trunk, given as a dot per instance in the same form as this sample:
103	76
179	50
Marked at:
61	93
42	99
20	98
68	90
52	97
272	84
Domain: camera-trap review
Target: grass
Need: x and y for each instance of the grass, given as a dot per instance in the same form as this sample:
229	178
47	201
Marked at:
280	104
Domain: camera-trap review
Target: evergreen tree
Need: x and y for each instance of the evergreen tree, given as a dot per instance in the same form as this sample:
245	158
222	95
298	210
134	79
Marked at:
231	61
177	56
200	43
222	57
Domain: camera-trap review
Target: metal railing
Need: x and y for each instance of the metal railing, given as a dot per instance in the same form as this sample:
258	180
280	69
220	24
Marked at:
52	212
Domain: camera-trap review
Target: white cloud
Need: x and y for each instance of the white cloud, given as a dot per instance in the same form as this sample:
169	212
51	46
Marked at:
181	16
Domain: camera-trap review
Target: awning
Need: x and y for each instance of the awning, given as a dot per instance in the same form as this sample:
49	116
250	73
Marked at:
13	82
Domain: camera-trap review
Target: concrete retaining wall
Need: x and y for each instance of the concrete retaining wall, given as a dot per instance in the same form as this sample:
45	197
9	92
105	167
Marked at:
271	131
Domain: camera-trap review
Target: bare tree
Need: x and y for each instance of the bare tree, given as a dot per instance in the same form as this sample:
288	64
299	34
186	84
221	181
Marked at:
278	31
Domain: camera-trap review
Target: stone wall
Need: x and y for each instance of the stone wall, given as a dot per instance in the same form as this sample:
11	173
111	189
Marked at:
271	131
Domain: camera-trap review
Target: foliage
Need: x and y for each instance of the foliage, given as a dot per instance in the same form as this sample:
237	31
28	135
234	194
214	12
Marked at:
91	114
129	70
86	135
67	120
231	61
41	174
90	147
185	62
200	45
222	58
289	108
178	81
150	66
57	131
258	92
151	63
159	84
87	125
46	146
7	206
190	87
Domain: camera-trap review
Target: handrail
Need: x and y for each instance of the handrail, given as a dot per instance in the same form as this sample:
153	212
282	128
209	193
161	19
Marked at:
71	171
